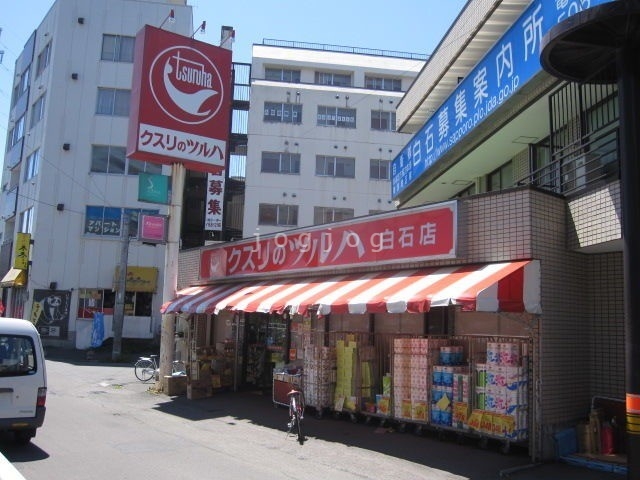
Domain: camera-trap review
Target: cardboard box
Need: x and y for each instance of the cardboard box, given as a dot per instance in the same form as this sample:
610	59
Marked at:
176	385
196	390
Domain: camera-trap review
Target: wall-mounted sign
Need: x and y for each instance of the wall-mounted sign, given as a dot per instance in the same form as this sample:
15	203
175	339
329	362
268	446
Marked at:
504	70
180	101
21	252
139	279
153	188
152	228
424	233
215	202
50	312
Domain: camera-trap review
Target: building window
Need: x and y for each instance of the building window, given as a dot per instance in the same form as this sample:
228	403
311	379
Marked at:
16	133
278	215
112	159
33	165
43	59
280	162
336	117
467	192
92	300
342	167
136	167
282	75
381	120
282	112
107	221
333	79
381	83
500	178
117	48
113	101
108	159
331	214
26	221
379	169
21	87
37	111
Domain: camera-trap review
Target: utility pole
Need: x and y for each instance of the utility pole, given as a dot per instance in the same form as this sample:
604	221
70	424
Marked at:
118	313
167	333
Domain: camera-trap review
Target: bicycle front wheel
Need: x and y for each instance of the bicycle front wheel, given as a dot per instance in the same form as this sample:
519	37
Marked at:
144	370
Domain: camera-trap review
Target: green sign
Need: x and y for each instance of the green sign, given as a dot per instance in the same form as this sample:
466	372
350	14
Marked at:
153	188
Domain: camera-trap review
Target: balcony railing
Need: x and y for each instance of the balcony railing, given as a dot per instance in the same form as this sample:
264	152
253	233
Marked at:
579	166
343	49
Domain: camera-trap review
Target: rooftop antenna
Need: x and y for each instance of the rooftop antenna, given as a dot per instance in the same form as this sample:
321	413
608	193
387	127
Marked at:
1	51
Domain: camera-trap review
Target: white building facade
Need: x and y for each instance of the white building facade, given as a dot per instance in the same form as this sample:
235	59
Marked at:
67	182
321	133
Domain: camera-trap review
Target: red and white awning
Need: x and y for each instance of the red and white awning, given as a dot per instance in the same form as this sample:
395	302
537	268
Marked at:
508	286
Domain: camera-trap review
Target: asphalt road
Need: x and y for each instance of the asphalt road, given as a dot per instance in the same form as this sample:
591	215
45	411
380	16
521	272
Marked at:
104	424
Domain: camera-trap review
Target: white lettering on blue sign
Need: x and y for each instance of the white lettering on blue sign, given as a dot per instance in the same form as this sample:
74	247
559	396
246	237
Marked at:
532	29
509	65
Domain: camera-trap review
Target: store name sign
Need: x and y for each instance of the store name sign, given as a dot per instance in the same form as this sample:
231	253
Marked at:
416	234
507	67
180	101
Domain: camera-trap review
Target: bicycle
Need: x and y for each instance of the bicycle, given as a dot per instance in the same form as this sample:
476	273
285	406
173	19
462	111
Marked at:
147	368
296	413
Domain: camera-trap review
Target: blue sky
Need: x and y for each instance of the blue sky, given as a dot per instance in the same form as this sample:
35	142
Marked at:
403	25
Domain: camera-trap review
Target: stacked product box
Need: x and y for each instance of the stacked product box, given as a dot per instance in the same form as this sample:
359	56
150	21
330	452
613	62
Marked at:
413	359
346	393
449	387
502	393
319	376
401	377
418	371
366	357
383	400
461	403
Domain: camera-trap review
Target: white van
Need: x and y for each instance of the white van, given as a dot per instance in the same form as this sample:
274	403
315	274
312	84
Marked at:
23	379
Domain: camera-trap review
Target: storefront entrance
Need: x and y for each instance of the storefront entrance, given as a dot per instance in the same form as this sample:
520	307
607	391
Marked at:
265	346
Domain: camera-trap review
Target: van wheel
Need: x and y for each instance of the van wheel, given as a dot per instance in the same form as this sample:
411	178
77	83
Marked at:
24	436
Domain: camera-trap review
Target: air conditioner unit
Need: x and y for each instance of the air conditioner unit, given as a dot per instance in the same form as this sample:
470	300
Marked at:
574	175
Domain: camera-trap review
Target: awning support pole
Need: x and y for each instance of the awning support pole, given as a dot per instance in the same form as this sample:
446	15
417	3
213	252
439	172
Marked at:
236	317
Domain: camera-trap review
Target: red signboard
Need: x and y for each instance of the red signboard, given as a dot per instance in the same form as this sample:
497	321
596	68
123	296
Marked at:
423	233
180	101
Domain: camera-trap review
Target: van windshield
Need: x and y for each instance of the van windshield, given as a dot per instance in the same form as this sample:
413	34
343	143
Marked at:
17	356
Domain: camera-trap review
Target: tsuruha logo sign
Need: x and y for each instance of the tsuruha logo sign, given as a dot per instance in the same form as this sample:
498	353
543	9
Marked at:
186	85
180	101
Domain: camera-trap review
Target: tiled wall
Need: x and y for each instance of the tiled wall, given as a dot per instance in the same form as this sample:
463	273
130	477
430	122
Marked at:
580	350
495	227
188	267
607	333
595	218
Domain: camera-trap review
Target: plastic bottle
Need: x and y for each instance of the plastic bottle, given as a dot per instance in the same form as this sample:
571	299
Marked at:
606	439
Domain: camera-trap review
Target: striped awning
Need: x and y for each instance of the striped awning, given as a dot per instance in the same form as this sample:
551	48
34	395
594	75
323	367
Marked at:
507	287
